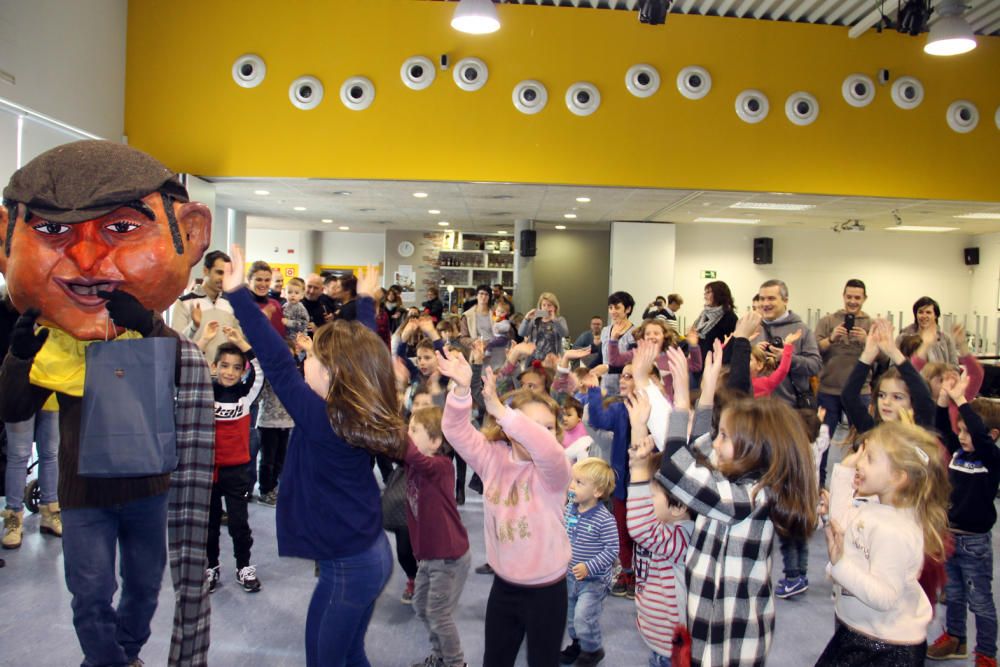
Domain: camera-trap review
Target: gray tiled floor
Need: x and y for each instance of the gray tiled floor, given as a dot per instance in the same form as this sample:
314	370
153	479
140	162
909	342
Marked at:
266	629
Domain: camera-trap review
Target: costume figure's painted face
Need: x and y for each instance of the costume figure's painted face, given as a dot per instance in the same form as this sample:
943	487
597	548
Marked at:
59	268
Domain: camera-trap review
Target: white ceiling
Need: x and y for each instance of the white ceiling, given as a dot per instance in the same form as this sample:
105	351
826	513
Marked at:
375	206
860	15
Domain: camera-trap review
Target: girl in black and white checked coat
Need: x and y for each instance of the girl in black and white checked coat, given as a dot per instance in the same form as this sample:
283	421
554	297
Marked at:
762	479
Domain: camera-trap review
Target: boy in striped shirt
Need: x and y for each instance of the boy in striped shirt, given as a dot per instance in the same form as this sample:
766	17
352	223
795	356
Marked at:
662	530
593	536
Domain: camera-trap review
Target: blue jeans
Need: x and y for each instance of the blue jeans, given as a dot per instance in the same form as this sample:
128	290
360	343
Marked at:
657	660
90	535
583	614
794	556
970	579
42	430
342	606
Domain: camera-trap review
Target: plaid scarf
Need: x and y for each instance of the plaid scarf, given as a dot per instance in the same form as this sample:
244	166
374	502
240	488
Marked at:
187	515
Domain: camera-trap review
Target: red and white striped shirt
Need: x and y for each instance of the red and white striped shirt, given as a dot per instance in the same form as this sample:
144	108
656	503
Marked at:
660	549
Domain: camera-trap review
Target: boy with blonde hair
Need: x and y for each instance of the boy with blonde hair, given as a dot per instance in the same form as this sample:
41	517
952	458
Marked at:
593	536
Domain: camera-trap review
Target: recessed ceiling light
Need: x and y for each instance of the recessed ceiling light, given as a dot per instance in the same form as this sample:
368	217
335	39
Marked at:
583	200
262	193
327	220
341	193
769	206
919	228
569	216
560	226
420	195
298	208
735	221
343	228
443	223
433	211
979	216
502	232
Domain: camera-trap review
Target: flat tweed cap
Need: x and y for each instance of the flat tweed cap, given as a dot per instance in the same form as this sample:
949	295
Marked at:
87	179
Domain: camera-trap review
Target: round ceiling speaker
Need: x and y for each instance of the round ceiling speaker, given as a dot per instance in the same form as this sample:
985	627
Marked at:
694	82
530	97
470	74
306	92
417	72
907	92
801	108
357	93
962	116
249	70
583	98
858	90
752	106
642	80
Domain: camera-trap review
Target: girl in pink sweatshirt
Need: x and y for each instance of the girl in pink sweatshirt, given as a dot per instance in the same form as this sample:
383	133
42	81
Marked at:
525	474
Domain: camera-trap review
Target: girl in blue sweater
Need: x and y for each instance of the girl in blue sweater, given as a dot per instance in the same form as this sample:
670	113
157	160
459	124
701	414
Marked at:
345	410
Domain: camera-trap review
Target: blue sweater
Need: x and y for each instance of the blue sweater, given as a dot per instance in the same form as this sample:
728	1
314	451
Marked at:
614	418
329	505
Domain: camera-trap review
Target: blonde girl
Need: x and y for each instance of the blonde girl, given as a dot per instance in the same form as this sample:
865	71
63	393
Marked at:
544	327
761	480
878	550
525	473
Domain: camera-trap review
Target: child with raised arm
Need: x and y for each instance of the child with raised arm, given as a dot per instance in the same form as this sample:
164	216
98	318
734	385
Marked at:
661	528
525	475
878	550
761	479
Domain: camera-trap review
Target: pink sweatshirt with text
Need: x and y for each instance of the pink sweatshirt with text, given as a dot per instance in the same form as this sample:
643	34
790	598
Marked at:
523	501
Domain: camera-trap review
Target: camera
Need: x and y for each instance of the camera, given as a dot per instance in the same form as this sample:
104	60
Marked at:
777	342
848	322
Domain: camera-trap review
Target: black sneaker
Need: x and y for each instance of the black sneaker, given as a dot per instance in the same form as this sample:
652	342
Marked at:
485	568
212	575
570	653
270	498
224	520
590	659
247	577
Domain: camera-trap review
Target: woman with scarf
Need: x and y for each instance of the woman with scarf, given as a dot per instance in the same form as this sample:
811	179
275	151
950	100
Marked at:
718	319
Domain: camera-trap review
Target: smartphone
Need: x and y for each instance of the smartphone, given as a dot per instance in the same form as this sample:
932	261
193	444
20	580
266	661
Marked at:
848	322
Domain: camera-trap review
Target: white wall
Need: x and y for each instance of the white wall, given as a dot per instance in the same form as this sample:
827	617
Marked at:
351	249
897	267
984	299
642	260
68	59
309	248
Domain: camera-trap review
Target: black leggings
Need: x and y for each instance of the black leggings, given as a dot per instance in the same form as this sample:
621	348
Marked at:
515	611
853	649
460	471
404	553
273	446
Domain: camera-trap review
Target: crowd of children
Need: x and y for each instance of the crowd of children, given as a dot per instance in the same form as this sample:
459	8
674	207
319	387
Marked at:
647	464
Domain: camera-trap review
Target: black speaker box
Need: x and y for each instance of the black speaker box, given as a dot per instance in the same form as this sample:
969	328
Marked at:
971	256
763	250
528	247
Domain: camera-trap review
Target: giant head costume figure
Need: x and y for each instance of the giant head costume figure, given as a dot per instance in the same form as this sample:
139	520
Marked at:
97	216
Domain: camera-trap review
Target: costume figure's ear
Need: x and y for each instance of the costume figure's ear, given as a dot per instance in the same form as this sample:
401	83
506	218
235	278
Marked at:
195	222
4	221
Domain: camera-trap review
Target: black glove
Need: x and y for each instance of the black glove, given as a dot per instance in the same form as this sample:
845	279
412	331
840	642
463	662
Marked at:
24	342
127	312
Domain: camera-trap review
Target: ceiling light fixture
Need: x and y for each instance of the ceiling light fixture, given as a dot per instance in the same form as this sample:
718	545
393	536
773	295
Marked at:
443	223
916	228
569	216
979	216
434	211
770	206
475	17
502	232
951	34
262	193
327	220
420	195
343	228
560	227
298	208
735	221
583	200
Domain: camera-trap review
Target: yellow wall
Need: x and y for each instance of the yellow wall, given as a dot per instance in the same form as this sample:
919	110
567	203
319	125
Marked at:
183	106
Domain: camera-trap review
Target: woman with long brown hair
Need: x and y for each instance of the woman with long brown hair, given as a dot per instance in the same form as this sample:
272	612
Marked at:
345	410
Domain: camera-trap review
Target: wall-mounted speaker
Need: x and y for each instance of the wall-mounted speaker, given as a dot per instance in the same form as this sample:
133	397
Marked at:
763	250
971	256
528	247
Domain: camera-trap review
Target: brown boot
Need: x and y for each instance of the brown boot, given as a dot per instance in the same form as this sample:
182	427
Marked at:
51	522
12	526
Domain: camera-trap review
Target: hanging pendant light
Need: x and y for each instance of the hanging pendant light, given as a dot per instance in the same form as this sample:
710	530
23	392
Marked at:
951	34
476	17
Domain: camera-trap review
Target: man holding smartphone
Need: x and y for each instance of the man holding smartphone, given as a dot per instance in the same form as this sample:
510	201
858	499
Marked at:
841	337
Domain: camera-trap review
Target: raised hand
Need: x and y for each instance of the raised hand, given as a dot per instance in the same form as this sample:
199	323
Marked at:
637	404
747	325
710	375
369	280
491	401
520	351
24	341
211	331
644	357
196	314
957	389
531	314
574	354
678	365
232	273
638	458
961	342
235	336
872	343
304	343
453	365
793	337
478	351
400	369
619	328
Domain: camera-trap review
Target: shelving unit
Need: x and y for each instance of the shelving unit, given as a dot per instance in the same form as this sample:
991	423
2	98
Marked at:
477	259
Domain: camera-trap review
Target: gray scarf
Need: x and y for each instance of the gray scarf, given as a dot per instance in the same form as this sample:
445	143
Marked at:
709	317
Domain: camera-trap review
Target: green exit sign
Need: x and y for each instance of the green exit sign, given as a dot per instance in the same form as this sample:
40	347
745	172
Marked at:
708	274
